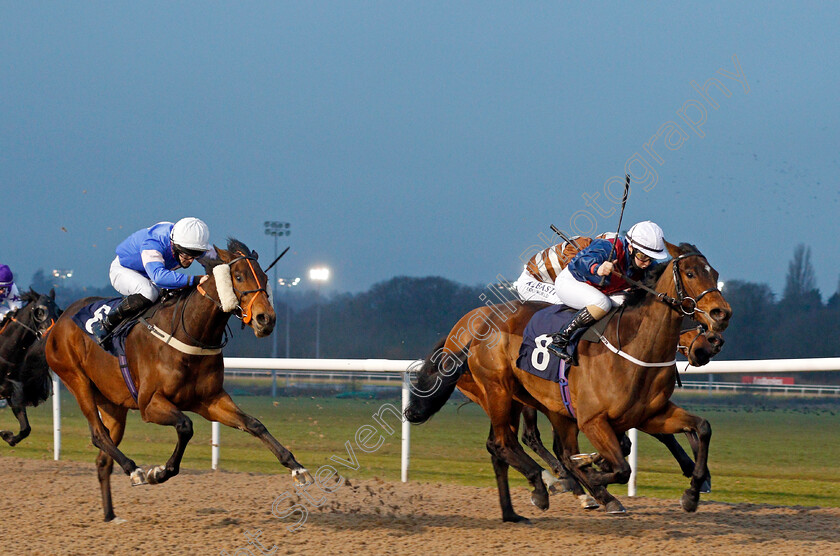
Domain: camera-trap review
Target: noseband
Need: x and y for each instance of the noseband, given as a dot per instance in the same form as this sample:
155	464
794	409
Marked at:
244	314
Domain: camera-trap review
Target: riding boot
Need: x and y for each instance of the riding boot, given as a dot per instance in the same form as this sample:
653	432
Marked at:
128	307
560	340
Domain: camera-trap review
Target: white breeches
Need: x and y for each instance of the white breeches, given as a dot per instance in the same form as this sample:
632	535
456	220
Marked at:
578	295
531	289
128	281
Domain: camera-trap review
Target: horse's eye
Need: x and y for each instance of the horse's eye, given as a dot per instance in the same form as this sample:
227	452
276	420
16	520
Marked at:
238	277
689	274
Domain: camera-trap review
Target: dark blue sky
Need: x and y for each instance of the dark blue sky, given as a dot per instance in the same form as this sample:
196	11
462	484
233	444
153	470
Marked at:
418	138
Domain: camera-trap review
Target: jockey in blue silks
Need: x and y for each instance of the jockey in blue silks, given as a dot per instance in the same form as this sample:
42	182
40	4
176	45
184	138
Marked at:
9	294
146	262
587	283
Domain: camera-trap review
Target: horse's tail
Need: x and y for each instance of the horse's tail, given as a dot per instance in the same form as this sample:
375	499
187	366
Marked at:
32	377
435	382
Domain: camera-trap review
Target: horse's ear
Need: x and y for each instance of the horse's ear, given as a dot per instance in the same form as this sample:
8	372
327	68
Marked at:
673	250
52	294
255	255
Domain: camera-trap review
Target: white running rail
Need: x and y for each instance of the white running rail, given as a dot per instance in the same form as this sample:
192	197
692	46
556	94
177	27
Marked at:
404	365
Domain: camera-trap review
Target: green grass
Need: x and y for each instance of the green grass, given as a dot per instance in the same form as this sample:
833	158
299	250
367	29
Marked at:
777	455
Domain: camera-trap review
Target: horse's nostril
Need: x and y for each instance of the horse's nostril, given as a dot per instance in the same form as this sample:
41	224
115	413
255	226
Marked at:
262	319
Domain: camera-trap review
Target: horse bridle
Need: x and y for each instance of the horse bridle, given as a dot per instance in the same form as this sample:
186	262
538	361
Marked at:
682	297
10	319
245	315
683	303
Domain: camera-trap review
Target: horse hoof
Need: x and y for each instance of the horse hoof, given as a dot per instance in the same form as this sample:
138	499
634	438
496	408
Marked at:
587	502
7	436
516	518
156	475
138	477
614	507
706	487
689	501
302	476
551	482
539	500
118	520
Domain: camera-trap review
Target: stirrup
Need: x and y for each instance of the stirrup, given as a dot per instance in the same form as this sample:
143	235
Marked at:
559	352
99	332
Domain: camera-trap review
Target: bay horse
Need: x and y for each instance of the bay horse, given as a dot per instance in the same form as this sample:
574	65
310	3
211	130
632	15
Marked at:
610	393
183	372
24	375
698	345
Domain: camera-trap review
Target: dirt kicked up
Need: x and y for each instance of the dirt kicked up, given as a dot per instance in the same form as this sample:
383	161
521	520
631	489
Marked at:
54	508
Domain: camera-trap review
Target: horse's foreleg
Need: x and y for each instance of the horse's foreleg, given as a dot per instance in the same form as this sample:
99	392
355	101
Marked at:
25	429
674	419
565	445
113	417
683	459
222	409
606	443
161	411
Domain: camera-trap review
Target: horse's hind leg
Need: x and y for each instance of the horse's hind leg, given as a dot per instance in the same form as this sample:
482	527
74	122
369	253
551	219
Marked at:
500	468
161	411
503	444
222	409
25	429
531	438
674	419
82	389
113	417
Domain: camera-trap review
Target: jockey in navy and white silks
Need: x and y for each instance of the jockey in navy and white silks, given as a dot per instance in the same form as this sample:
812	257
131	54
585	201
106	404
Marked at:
146	262
9	294
587	282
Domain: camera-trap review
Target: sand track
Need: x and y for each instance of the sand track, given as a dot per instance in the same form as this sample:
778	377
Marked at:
54	508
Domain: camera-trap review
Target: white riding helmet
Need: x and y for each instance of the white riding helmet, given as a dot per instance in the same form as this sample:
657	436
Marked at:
191	234
647	238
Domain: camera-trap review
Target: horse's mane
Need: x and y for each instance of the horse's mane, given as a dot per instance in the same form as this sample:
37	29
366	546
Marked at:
653	274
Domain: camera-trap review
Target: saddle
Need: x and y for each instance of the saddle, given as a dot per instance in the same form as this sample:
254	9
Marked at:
535	357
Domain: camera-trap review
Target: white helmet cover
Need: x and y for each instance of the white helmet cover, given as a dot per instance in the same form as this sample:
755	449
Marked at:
191	233
648	238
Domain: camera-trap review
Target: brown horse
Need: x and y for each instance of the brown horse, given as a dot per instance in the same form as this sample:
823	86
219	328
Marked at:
610	393
184	372
698	346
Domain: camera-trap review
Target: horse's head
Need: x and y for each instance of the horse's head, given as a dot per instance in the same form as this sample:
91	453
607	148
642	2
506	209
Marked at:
696	284
39	312
699	345
243	287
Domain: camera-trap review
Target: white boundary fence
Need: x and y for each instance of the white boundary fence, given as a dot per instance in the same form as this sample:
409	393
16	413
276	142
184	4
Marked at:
404	365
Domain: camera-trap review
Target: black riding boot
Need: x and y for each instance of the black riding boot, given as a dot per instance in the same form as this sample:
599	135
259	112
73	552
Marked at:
560	340
128	307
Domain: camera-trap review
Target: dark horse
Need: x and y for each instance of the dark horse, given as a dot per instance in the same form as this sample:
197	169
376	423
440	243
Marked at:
184	373
24	375
610	393
698	346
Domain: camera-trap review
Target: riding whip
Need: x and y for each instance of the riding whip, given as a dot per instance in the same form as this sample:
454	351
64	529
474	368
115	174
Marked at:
620	217
565	237
277	259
